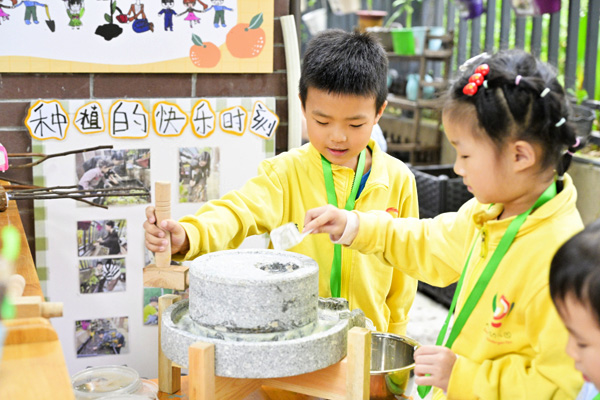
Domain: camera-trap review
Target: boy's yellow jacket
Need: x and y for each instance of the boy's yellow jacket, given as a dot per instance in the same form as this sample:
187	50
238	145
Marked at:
292	183
513	344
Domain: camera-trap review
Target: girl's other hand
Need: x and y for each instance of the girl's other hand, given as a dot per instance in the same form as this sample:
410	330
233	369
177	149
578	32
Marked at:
433	366
326	219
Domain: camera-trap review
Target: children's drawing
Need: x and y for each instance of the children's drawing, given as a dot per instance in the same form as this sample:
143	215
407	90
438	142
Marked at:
75	10
3	15
31	13
204	54
212	36
168	13
246	40
193	18
138	16
220	9
111	30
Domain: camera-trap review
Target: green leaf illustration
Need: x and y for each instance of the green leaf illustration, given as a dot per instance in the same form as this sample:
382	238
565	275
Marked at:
113	7
256	21
107	18
196	39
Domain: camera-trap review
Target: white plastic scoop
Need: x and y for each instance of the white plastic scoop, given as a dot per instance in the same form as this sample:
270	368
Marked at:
287	236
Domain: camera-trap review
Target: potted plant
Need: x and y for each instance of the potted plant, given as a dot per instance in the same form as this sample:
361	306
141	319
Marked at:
369	17
582	116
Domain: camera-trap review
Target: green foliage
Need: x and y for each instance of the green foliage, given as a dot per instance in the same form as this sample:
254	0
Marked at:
402	6
580	95
107	18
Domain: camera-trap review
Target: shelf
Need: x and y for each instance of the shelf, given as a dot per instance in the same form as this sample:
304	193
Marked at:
403	102
433	55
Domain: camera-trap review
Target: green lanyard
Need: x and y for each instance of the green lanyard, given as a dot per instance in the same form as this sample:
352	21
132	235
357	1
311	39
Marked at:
484	279
335	277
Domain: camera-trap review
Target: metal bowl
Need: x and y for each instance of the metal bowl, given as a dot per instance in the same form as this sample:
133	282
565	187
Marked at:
392	366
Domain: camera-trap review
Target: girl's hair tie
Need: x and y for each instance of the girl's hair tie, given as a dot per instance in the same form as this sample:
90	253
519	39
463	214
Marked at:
545	92
560	122
517	80
577	143
476	80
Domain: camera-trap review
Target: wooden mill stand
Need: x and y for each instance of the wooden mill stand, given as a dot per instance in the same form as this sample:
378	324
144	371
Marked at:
346	380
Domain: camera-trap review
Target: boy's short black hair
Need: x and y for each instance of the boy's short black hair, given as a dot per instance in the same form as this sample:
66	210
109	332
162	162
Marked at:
575	269
110	223
166	2
340	62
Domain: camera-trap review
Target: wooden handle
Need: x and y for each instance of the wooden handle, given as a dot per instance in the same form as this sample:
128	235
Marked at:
52	310
162	211
15	286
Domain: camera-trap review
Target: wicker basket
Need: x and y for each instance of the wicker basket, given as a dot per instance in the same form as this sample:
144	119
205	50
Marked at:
439	189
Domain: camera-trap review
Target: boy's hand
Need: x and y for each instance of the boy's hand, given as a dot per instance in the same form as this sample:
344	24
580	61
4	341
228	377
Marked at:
326	219
155	237
433	366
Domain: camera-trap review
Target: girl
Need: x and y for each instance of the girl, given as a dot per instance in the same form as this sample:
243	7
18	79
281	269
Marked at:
190	10
75	10
575	290
4	16
506	116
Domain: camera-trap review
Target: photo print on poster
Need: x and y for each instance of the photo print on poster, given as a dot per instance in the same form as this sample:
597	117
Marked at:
198	174
101	238
102	275
123	171
151	296
103	336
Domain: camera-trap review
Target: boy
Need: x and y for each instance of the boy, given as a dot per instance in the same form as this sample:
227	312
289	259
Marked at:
343	93
575	290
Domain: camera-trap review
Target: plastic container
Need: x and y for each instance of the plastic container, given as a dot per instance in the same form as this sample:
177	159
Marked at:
419	35
403	41
436	44
111	381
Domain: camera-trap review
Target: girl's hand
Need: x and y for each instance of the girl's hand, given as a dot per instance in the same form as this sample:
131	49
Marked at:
433	366
155	237
326	219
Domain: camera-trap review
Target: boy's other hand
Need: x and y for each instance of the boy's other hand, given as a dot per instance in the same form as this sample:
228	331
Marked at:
433	366
155	237
326	219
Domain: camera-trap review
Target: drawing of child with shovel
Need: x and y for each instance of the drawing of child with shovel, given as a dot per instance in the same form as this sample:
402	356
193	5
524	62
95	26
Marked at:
31	13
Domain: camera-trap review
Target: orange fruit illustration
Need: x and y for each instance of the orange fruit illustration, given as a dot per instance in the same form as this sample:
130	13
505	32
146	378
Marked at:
204	55
246	40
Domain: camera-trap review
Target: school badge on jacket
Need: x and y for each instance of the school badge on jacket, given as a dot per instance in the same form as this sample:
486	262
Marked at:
501	310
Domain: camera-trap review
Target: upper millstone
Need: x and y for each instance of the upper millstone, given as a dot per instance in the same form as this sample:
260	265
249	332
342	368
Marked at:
254	291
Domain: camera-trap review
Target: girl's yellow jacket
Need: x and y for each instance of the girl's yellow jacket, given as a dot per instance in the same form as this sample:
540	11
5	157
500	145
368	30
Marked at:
289	185
513	344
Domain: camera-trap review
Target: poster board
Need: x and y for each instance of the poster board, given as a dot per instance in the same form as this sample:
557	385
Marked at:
74	250
158	36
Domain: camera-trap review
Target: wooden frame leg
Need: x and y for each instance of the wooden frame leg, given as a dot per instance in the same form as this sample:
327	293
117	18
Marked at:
169	377
358	373
201	380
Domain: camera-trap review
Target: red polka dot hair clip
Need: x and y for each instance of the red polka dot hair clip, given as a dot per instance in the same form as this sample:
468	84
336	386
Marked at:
476	80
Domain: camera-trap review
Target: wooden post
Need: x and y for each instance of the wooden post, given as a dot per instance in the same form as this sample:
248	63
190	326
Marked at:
202	371
162	211
169	377
359	364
